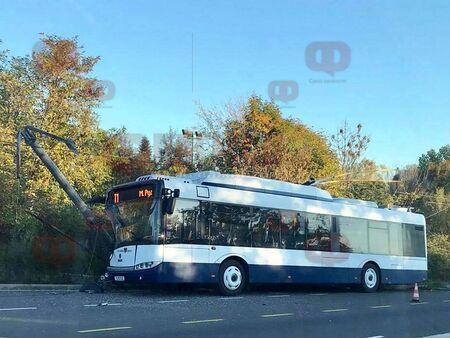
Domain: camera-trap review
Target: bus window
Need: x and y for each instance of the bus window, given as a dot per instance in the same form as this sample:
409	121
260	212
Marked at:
229	225
352	234
413	240
181	226
395	239
266	228
318	232
290	236
378	238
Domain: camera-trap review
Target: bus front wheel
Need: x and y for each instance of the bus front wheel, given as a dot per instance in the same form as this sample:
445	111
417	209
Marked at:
232	278
370	277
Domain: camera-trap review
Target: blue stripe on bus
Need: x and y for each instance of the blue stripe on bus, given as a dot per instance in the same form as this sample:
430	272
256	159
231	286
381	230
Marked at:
208	273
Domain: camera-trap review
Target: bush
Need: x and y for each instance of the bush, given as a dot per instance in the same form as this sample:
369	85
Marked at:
439	257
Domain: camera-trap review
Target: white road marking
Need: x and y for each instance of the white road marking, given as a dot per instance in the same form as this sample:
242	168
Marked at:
102	304
334	310
446	301
230	298
19	308
380	307
277	296
375	337
443	335
18	290
203	321
420	303
36	321
318	294
173	301
106	329
277	315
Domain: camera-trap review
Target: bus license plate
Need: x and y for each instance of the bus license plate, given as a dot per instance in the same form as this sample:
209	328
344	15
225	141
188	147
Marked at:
119	278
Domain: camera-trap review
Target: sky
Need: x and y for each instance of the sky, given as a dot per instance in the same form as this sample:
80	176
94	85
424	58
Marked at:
385	64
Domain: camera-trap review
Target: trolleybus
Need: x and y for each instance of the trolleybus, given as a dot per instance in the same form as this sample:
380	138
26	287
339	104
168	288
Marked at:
233	230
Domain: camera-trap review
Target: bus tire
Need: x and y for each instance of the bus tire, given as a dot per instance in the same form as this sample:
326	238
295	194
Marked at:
232	278
370	278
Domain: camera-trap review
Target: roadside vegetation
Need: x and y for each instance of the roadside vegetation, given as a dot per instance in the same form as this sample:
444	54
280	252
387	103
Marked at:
53	89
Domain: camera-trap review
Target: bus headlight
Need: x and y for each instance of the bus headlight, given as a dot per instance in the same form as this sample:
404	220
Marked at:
146	265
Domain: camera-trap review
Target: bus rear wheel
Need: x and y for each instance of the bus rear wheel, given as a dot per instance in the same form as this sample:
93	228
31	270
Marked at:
370	278
232	278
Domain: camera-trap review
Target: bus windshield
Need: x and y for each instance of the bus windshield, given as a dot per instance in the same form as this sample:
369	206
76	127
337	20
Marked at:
134	212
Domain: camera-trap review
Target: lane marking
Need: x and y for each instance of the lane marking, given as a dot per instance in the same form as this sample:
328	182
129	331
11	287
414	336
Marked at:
335	310
442	335
36	321
19	308
421	303
277	315
203	321
18	290
318	294
173	301
231	298
380	307
375	337
106	329
446	301
277	296
102	305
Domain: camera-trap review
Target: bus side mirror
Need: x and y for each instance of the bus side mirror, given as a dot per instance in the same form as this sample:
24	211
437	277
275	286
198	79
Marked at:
169	202
169	205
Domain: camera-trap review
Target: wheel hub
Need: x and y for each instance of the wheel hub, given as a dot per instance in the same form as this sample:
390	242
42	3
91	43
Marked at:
370	278
232	278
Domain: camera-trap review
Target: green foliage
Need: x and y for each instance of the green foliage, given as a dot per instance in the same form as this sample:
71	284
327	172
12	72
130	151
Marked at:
175	157
254	139
349	146
434	167
51	90
439	257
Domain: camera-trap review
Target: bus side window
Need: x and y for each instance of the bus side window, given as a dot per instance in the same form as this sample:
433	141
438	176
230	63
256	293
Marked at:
290	237
300	236
318	232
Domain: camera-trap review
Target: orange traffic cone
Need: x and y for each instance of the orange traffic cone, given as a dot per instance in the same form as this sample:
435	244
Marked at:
415	297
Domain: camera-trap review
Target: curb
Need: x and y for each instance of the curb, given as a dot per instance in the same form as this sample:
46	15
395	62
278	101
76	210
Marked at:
40	287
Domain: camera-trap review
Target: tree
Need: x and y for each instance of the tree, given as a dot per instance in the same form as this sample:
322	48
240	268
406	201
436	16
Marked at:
366	183
144	162
52	90
434	167
174	155
349	146
254	139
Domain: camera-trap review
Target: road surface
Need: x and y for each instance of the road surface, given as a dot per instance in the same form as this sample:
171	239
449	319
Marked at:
195	312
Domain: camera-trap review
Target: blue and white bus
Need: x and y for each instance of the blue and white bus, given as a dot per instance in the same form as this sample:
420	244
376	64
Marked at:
232	230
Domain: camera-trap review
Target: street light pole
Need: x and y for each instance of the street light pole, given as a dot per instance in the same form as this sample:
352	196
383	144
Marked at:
192	135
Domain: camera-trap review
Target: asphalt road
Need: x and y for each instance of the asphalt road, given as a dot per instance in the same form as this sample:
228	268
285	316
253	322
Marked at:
195	312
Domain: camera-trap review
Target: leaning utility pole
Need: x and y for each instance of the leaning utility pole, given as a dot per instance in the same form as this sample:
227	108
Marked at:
28	134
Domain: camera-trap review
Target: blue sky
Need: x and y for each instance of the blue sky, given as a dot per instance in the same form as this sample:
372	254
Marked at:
397	83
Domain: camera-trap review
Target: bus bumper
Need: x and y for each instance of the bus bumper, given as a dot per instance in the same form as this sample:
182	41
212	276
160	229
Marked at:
166	273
